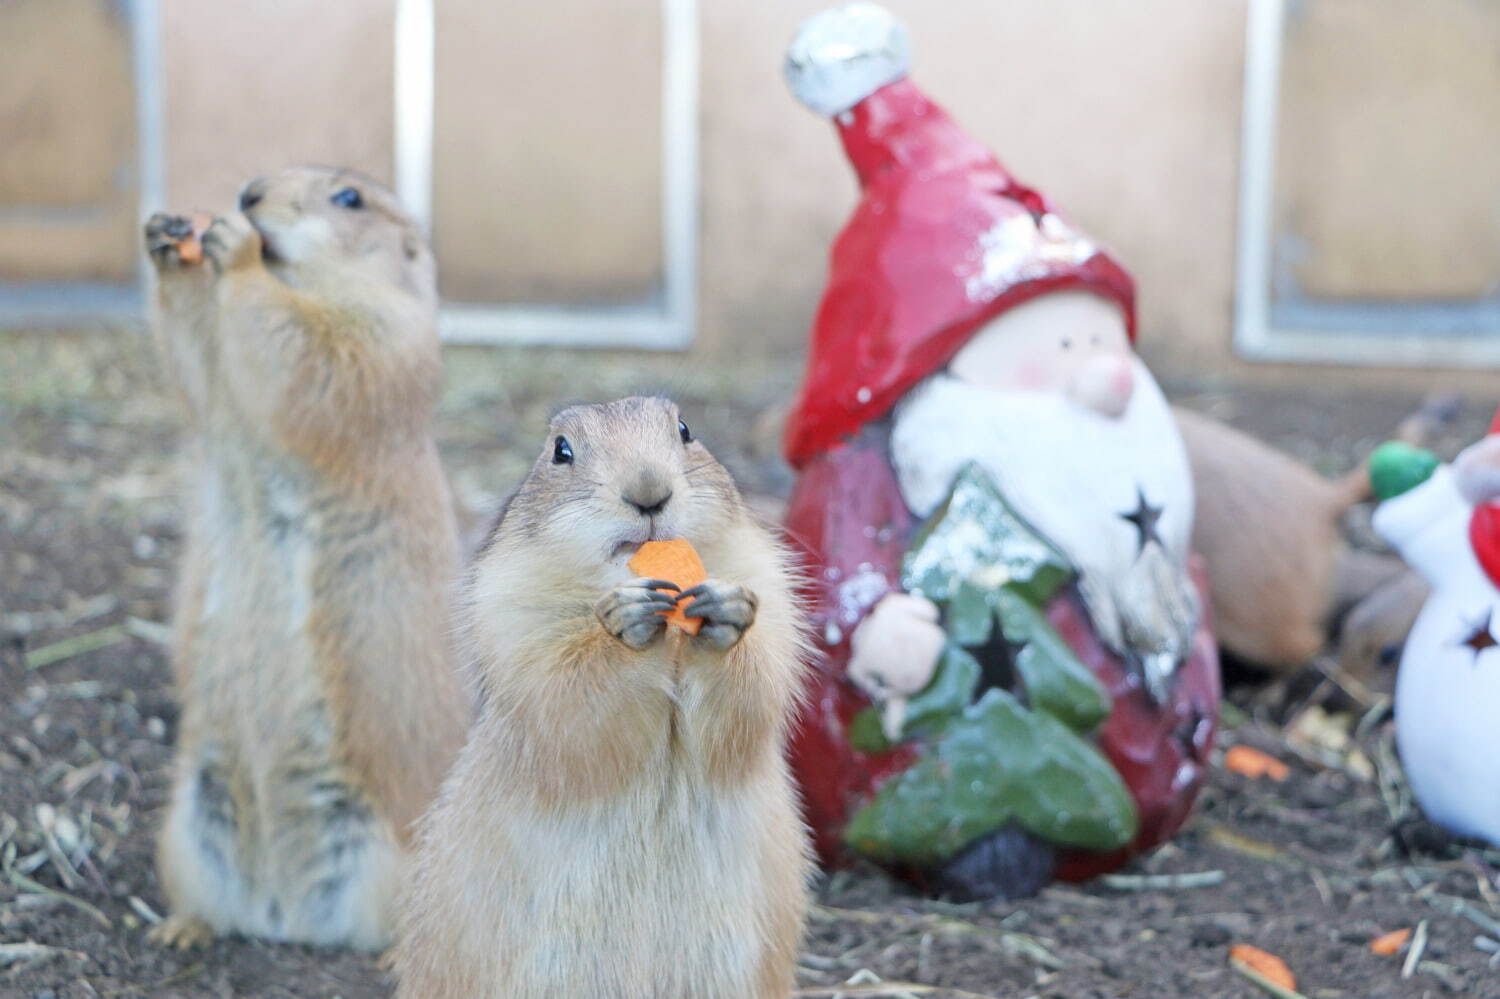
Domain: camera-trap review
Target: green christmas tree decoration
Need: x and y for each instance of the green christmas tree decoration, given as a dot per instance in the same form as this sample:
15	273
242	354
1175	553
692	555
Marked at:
970	615
995	760
1000	762
976	537
1397	467
1055	680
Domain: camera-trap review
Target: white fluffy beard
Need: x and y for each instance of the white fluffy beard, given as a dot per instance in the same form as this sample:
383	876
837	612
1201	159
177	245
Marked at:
1072	474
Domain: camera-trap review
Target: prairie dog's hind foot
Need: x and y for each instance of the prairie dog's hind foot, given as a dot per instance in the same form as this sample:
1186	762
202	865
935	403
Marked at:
181	932
633	613
726	609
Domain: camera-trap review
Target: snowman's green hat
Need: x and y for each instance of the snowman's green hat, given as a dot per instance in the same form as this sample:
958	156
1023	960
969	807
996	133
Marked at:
1397	467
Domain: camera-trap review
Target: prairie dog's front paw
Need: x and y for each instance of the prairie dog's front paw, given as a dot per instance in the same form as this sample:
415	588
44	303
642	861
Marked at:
726	609
633	613
232	242
165	235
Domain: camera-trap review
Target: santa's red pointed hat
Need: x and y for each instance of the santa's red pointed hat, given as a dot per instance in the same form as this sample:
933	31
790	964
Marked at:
943	238
1484	527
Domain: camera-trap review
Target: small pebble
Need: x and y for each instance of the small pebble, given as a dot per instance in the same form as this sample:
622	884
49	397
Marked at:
1210	935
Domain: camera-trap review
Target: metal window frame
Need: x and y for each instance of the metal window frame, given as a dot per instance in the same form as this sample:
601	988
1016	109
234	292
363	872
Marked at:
668	324
1258	334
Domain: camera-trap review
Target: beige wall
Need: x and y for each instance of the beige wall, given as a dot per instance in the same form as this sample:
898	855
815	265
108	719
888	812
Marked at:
1125	112
547	159
256	85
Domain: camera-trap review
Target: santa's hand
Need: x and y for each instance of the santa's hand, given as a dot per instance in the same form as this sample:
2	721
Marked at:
1477	471
894	652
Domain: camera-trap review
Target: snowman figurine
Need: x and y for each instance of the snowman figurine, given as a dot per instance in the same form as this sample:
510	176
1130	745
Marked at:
1445	521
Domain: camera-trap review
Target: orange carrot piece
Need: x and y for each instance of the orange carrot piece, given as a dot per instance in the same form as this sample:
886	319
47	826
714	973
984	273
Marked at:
1267	965
1390	943
190	247
676	561
1253	763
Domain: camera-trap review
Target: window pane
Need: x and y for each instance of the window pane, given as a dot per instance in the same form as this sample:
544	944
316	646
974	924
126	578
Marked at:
546	160
1388	173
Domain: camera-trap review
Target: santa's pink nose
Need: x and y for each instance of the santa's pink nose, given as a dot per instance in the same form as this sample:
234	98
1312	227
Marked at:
1104	384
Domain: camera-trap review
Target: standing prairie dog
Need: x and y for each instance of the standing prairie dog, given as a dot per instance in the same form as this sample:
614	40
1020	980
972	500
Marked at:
320	708
621	823
1269	529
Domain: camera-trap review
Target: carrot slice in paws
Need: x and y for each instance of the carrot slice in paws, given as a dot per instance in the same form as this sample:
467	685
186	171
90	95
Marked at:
190	247
676	561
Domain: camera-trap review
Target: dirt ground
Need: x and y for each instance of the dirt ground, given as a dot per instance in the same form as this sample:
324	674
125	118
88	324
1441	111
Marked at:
1311	868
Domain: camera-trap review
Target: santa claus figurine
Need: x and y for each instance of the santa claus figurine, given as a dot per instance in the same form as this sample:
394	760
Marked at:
1019	680
1445	521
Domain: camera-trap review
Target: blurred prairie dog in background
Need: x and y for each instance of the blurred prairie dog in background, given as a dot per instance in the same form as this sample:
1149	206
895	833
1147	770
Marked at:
1280	571
320	708
1269	529
621	823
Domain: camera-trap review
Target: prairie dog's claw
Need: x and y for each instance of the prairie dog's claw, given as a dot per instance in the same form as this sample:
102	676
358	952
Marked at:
726	609
231	242
163	233
181	932
633	613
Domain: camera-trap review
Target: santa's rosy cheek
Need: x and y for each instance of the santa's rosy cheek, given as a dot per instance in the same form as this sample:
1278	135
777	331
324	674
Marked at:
1036	375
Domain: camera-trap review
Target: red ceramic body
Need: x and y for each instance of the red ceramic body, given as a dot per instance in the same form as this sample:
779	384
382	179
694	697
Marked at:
847	516
943	240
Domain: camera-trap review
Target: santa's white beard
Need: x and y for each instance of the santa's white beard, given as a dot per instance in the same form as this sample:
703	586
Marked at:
1073	475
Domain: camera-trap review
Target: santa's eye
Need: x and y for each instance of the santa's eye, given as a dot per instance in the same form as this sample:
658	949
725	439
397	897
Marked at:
684	432
347	197
562	451
1066	343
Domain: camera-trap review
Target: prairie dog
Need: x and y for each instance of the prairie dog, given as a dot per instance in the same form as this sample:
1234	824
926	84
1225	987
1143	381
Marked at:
621	823
1269	529
320	708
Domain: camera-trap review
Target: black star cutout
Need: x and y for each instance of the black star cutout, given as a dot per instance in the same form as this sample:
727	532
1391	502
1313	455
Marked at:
1144	517
1481	639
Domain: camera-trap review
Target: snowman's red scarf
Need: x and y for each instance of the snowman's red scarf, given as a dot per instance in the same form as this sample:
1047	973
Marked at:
1484	535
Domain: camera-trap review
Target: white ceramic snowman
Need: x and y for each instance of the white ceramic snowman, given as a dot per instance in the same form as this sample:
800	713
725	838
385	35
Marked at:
1448	686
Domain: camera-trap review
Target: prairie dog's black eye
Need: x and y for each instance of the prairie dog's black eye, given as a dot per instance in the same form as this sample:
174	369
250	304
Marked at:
347	197
562	451
684	432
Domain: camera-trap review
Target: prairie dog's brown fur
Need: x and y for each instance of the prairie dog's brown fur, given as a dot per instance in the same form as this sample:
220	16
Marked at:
1269	530
621	823
320	708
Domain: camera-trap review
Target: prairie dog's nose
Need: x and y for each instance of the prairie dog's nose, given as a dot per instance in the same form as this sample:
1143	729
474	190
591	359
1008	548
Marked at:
253	192
648	493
